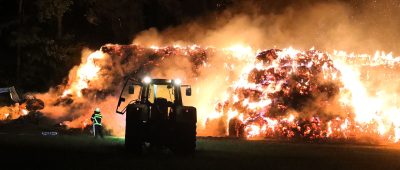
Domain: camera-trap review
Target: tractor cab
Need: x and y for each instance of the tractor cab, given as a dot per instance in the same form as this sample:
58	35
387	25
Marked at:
155	114
152	92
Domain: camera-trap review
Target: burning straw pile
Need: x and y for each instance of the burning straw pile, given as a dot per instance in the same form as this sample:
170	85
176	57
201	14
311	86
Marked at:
239	92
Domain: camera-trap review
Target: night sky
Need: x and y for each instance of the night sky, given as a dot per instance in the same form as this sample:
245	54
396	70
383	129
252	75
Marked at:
42	39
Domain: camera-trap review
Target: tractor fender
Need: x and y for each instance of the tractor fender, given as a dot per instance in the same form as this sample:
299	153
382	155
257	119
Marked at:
138	112
186	114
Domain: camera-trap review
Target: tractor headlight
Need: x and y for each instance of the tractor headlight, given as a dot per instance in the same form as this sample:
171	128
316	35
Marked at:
177	81
146	80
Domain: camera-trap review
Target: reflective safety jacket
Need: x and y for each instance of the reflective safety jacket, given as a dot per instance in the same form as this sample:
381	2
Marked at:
96	118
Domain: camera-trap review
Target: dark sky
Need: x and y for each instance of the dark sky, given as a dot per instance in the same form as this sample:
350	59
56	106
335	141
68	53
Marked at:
30	29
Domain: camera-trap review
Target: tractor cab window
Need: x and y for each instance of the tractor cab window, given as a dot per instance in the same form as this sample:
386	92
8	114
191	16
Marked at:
161	91
129	94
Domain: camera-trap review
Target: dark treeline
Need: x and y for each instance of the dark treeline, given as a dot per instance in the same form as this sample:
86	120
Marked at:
42	39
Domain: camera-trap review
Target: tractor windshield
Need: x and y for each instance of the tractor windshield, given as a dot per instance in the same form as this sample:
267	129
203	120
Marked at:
150	90
161	91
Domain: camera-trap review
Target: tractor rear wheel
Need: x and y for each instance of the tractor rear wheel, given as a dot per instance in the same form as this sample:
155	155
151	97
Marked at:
185	139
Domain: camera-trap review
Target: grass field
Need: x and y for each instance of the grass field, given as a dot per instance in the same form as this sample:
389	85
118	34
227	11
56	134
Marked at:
32	151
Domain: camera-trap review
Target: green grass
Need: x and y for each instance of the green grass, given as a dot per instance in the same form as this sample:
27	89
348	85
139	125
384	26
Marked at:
83	152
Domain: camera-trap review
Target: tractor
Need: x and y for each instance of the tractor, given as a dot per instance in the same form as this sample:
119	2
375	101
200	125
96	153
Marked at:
156	117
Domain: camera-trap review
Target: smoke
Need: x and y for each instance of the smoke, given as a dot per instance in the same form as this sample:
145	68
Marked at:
359	26
246	26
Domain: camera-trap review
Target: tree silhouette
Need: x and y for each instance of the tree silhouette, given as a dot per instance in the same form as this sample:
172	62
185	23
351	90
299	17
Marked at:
49	9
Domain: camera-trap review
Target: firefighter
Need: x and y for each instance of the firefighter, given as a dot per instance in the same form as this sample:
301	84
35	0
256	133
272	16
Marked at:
97	126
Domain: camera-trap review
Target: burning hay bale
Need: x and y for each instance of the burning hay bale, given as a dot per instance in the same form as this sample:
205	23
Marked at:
34	104
283	82
292	94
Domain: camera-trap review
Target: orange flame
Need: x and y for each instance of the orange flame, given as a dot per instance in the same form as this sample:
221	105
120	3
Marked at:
87	71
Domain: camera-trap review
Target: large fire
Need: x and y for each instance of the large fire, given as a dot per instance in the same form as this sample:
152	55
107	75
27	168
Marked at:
285	93
309	94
